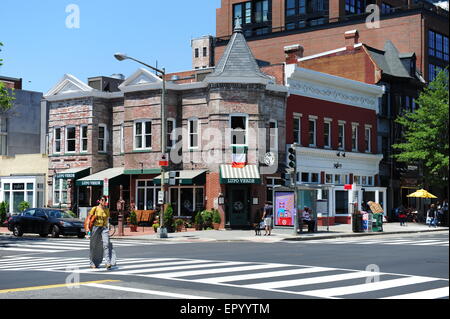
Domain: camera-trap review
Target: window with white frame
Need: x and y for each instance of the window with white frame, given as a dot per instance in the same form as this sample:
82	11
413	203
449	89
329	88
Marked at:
357	180
143	135
60	188
304	177
122	139
315	178
71	136
3	136
327	134
57	140
312	131
193	133
171	137
341	136
273	135
102	137
297	130
328	178
368	139
83	138
146	195
355	137
238	125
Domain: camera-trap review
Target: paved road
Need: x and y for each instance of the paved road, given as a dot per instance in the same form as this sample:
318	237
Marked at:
410	267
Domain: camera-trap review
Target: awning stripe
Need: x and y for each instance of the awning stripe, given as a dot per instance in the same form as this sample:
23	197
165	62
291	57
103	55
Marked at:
250	171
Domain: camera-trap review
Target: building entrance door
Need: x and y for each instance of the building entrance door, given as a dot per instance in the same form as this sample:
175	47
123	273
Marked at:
238	206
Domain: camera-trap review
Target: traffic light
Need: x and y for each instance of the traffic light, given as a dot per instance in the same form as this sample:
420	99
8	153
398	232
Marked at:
292	158
286	178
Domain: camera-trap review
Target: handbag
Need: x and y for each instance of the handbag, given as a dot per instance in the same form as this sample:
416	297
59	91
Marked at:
90	220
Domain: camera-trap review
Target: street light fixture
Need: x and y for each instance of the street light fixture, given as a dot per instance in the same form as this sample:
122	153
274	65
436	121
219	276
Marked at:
121	57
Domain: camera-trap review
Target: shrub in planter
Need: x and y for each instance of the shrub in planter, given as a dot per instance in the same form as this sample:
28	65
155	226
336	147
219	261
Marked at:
168	219
216	219
133	221
4	207
198	221
207	219
179	224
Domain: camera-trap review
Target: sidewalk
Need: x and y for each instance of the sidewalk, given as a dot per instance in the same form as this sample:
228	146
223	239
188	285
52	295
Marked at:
337	231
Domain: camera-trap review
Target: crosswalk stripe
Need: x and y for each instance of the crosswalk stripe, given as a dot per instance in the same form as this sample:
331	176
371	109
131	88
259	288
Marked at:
262	275
146	291
43	246
214	271
28	250
354	289
175	266
426	294
200	264
14	262
40	264
314	280
432	244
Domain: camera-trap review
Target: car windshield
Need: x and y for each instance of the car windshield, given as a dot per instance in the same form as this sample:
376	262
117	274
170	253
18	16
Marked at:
58	214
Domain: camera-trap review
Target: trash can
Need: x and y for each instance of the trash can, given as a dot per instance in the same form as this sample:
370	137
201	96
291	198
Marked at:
377	226
357	223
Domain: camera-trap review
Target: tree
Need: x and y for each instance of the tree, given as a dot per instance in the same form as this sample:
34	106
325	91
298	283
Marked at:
6	98
425	132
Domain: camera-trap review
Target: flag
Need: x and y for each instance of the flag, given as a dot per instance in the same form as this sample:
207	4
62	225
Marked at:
239	157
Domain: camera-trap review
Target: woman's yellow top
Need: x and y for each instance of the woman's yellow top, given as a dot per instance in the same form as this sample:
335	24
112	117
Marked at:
102	216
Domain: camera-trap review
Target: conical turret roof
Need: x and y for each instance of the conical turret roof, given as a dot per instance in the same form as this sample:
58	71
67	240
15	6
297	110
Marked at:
237	64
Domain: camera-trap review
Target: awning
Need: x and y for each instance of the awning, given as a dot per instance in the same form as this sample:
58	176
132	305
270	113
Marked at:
184	178
247	175
98	178
74	173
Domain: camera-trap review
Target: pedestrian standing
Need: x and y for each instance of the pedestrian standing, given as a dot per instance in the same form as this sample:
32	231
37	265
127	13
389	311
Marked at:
432	216
100	243
268	218
440	213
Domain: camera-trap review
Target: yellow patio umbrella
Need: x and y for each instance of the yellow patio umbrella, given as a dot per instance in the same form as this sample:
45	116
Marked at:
422	194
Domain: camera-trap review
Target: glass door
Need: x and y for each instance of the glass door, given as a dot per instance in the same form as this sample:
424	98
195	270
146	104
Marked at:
238	206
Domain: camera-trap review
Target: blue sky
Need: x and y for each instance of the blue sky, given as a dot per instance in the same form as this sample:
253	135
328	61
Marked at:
39	48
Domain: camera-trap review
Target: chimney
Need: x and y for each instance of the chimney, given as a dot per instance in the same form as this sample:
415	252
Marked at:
351	38
293	53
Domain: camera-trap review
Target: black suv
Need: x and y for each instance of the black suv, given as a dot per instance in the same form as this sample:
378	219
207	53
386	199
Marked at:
45	221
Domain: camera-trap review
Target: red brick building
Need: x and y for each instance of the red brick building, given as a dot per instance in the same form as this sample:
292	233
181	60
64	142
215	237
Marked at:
317	25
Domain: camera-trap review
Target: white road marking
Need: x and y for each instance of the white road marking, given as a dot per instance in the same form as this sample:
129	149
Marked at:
426	294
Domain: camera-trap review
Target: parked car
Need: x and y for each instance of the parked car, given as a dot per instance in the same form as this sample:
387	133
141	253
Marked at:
45	221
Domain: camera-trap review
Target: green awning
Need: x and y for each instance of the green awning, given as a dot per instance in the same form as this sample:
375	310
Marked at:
247	175
184	178
74	173
98	178
151	171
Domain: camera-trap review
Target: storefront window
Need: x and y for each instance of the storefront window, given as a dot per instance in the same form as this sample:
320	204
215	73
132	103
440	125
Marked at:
187	201
341	202
60	191
199	200
146	195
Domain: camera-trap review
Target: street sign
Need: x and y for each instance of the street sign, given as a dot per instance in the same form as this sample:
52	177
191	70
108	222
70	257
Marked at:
160	197
106	187
348	187
164	160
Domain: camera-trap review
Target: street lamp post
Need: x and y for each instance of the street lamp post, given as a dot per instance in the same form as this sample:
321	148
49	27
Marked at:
121	57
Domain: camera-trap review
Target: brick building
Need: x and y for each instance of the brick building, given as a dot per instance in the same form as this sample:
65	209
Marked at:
317	25
396	72
115	137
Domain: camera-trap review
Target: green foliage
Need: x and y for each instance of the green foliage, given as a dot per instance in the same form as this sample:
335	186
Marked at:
6	98
198	219
4	207
23	206
133	218
216	217
168	217
425	132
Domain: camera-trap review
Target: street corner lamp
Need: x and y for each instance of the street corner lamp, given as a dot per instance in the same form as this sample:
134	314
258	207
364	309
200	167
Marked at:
121	57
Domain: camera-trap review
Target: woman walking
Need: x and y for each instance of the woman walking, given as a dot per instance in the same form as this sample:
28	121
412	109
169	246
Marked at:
100	245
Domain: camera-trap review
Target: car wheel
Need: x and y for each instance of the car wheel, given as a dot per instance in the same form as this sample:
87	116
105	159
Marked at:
18	231
81	236
55	231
